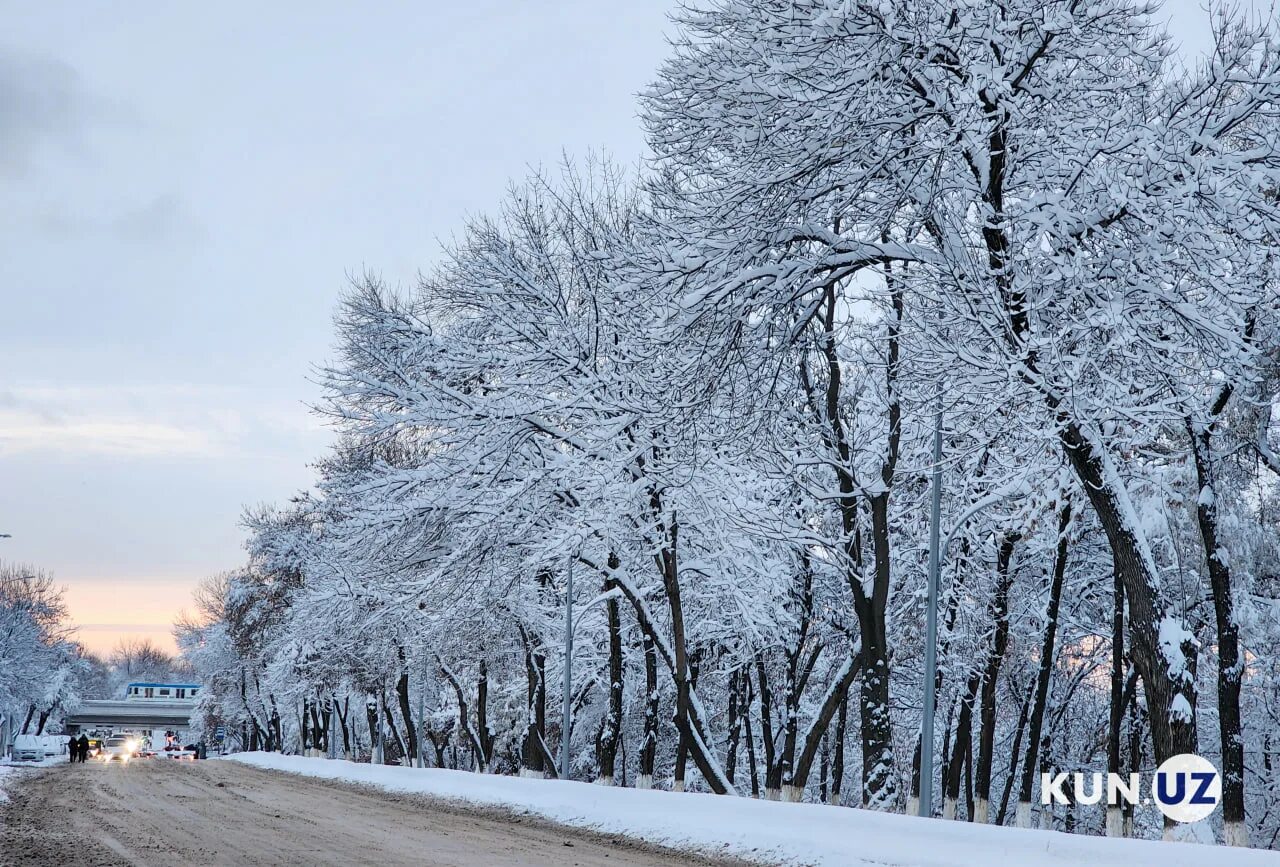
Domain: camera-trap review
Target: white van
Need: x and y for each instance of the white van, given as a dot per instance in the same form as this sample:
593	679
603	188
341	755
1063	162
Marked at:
37	748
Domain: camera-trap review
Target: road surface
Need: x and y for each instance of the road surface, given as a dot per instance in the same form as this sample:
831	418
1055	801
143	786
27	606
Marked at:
161	812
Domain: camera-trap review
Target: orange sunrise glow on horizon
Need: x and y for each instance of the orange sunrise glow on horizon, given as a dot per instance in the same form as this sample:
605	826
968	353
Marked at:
108	610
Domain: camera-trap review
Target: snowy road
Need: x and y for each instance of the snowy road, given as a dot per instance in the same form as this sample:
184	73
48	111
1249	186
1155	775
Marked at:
159	813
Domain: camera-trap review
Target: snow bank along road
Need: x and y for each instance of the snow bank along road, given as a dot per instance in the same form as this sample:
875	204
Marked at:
154	812
768	832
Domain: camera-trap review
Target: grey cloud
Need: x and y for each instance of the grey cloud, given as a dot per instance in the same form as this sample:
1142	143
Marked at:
10	400
164	217
42	101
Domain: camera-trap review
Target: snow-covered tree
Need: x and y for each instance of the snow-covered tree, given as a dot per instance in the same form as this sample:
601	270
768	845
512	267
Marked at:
710	393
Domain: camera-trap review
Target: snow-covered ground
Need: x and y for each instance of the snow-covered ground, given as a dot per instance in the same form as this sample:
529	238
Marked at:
765	831
11	771
7	773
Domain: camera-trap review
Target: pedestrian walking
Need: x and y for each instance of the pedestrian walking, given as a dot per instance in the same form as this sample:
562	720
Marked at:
82	748
73	747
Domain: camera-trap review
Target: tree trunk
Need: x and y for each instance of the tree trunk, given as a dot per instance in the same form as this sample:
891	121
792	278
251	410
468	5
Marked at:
649	750
1011	777
371	717
1230	665
1115	721
402	694
682	763
1000	643
797	676
683	745
343	710
484	741
708	764
837	763
824	773
1046	767
439	745
879	767
745	713
611	724
464	719
389	722
734	725
305	728
697	745
532	757
954	768
277	730
969	810
320	725
1167	672
836	698
1030	764
772	773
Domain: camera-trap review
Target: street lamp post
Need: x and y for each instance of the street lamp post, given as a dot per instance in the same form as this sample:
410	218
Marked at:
567	711
333	728
931	620
569	627
380	745
937	550
422	725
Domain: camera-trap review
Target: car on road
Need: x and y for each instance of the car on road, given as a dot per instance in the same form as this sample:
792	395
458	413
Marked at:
38	748
121	748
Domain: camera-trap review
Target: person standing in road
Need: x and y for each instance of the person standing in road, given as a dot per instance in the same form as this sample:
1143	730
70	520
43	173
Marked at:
82	748
73	748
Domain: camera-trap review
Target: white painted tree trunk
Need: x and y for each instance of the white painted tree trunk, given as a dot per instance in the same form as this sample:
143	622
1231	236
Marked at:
791	794
981	811
1235	834
948	808
604	781
1115	822
913	805
644	781
1022	818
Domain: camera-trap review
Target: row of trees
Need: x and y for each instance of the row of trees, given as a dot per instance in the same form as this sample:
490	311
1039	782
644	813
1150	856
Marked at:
711	393
44	671
41	668
132	659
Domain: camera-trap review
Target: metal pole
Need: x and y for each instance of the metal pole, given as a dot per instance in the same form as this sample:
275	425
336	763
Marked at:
931	620
567	710
381	747
422	723
333	728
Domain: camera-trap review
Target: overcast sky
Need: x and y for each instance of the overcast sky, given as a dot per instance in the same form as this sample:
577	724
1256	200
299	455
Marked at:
186	187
